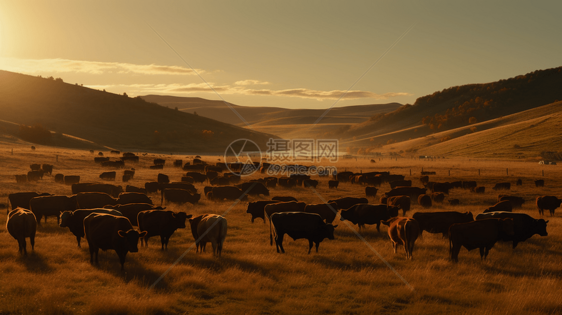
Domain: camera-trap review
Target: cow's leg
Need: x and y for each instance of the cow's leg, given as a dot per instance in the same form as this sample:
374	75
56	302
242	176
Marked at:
317	244
279	243
482	253
92	253
32	241
78	240
214	243
310	246
486	251
122	260
455	252
394	245
162	241
22	246
379	226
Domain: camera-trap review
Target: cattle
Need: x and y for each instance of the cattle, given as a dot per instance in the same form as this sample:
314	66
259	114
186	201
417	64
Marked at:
519	182
254	189
343	176
33	176
71	180
47	168
59	178
549	203
402	202
159	162
187	179
46	206
403	183
35	167
454	202
131	173
412	192
469	184
442	187
362	214
482	234
91	200
371	191
287	182
114	164
539	183
113	190
502	186
290	206
21	179
228	193
524	226
152	187
197	177
456	184
326	211
74	220
132	210
516	202
178	163
479	190
256	209
300	225
130	188
180	196
333	184
163	179
115	152
310	183
348	202
21	223
500	206
424	179
101	159
106	231
160	223
108	175
22	199
133	197
424	201
126	178
403	231
439	222
438	197
179	185
209	228
284	198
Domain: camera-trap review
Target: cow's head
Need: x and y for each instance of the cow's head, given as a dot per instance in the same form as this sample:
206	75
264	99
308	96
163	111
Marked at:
541	227
329	231
346	214
179	218
132	239
392	211
64	218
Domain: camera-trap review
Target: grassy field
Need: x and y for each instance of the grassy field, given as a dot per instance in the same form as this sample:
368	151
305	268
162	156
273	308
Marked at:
345	277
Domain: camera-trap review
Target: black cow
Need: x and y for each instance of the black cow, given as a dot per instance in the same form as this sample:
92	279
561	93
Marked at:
108	175
482	234
524	226
254	189
362	214
256	209
371	191
502	186
284	198
180	196
74	220
300	225
228	193
439	222
45	206
22	199
160	223
348	202
107	231
333	184
132	210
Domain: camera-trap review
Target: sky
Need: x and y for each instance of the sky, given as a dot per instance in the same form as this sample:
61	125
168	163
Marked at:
292	54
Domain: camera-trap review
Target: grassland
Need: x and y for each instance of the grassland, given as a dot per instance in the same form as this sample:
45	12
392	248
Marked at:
345	277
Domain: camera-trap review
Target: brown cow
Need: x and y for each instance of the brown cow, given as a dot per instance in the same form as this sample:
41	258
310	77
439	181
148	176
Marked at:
402	202
209	228
403	231
482	234
21	224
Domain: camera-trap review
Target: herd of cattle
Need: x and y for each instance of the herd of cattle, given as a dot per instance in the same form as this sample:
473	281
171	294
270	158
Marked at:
105	214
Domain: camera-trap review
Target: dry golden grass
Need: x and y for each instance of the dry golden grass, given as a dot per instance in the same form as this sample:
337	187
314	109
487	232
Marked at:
345	277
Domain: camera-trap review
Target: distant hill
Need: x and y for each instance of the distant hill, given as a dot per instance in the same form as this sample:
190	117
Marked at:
107	119
283	122
458	106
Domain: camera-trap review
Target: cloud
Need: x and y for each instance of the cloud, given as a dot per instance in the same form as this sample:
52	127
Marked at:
251	82
43	66
183	89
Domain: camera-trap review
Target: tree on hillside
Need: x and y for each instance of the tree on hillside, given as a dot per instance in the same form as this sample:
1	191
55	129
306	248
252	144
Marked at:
36	134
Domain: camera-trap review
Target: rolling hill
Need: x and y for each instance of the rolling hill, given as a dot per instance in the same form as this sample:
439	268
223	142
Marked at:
77	116
456	107
284	122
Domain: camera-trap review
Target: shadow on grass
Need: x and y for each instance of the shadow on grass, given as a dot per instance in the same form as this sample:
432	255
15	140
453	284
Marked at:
35	262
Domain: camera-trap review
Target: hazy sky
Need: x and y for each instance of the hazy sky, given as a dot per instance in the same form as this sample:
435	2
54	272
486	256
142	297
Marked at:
299	54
